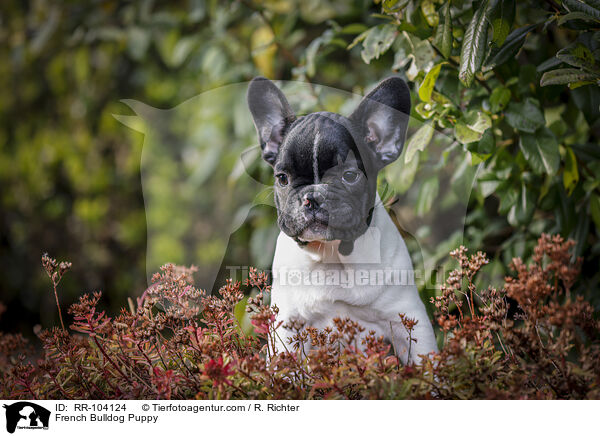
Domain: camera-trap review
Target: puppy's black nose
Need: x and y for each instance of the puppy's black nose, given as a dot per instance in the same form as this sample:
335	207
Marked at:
312	200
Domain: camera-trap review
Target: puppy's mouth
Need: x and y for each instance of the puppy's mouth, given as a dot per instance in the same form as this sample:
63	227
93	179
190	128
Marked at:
321	227
316	230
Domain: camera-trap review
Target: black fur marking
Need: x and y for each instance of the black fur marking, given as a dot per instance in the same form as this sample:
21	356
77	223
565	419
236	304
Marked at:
346	248
300	242
314	152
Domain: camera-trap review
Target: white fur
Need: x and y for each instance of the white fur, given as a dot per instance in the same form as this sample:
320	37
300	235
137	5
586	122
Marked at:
374	305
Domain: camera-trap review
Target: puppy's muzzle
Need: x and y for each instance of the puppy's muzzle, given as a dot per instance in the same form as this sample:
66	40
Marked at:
312	204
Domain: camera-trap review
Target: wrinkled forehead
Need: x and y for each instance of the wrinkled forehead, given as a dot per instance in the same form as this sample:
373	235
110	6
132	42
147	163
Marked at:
320	142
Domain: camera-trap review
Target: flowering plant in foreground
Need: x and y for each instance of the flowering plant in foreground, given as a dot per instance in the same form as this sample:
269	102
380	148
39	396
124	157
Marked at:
175	342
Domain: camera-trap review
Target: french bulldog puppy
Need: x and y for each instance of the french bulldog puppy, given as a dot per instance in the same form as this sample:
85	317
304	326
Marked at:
339	253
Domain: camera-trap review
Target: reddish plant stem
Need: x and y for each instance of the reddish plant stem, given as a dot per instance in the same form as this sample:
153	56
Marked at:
101	348
60	388
54	285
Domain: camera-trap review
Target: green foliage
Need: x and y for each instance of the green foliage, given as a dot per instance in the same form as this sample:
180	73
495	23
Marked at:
508	92
474	44
536	144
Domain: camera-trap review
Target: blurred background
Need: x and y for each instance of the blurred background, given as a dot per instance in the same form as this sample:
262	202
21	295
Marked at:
72	160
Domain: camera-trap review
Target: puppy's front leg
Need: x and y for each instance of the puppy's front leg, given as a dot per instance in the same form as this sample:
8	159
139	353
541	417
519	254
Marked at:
409	346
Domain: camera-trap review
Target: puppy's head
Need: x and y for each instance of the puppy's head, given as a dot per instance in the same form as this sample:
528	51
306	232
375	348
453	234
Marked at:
325	164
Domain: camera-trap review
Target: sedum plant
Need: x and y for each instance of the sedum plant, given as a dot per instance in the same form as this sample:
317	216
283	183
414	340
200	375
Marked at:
174	342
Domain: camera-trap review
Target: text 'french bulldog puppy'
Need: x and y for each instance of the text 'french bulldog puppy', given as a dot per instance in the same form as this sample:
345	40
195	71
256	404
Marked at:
339	253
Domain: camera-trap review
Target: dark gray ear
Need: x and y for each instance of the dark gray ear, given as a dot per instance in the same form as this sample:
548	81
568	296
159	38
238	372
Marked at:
272	116
382	117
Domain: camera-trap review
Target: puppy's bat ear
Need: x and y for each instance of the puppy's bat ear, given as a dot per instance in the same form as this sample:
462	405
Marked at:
383	118
272	116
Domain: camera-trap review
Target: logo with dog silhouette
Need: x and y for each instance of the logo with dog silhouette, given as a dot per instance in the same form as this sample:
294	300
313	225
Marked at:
26	415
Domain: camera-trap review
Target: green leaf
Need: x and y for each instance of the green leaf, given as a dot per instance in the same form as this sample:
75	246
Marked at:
414	51
541	151
580	233
474	44
548	64
587	101
488	184
425	110
358	39
312	50
578	55
576	85
391	6
526	116
522	210
510	48
508	197
481	150
595	209
377	41
576	16
426	87
571	174
239	310
353	29
262	241
427	194
471	127
443	34
499	99
429	12
502	17
174	50
404	51
400	174
564	76
580	6
418	141
138	41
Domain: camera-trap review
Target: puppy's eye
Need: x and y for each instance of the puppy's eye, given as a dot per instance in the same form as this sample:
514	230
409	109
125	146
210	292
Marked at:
350	176
282	179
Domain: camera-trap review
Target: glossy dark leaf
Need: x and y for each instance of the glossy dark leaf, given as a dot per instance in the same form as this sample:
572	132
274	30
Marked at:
474	45
541	151
587	100
590	7
526	116
522	210
571	16
578	55
548	64
510	48
502	16
443	36
564	76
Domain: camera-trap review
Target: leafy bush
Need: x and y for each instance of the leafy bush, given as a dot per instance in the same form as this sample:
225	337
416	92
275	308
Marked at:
491	74
71	172
175	342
